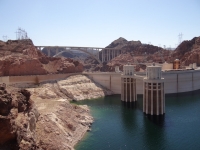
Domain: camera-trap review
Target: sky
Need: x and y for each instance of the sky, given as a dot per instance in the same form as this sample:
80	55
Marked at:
96	23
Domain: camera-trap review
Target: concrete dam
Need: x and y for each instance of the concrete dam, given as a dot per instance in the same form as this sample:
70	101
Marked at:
176	81
153	84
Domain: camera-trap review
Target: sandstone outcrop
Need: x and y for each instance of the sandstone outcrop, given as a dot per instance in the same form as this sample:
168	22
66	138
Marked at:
20	57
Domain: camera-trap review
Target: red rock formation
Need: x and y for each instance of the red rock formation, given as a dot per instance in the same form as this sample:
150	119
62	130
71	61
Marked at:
134	51
133	47
117	61
20	57
18	118
188	52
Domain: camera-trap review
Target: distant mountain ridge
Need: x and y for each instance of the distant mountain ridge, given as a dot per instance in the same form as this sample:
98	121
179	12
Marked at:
135	52
188	52
134	47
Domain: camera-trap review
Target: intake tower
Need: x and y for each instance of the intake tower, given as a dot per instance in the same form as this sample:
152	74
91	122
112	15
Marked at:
128	84
153	94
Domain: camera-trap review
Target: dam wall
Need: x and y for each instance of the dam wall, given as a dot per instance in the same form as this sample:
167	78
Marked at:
181	81
174	81
33	78
112	81
109	80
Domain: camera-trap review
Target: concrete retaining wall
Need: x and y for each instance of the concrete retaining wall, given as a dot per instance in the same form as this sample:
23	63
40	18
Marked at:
182	81
33	78
175	81
111	80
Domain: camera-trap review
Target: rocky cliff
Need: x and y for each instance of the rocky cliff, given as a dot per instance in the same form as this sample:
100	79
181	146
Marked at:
188	52
20	57
80	87
18	117
61	124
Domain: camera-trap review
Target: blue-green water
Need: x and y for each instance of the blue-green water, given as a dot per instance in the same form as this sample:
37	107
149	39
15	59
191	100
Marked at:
118	125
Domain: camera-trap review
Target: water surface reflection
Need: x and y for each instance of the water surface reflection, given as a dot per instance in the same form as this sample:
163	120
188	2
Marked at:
121	125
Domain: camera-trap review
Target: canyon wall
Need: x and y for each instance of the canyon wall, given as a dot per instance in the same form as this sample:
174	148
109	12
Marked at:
60	124
18	117
20	57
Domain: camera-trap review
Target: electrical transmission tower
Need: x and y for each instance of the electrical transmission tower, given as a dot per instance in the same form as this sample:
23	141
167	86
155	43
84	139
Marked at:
180	38
21	34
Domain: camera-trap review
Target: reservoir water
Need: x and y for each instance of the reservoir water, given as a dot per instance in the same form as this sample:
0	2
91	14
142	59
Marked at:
123	126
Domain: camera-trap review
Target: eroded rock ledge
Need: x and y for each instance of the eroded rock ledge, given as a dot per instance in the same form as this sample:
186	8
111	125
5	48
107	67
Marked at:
80	87
60	124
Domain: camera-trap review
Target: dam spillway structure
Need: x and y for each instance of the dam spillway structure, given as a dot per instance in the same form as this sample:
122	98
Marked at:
128	84
153	94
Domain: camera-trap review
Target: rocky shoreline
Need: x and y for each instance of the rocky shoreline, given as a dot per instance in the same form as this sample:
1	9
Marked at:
40	116
59	124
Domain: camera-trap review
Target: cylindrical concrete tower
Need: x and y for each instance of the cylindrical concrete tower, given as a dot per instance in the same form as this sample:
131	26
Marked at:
153	94
128	87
